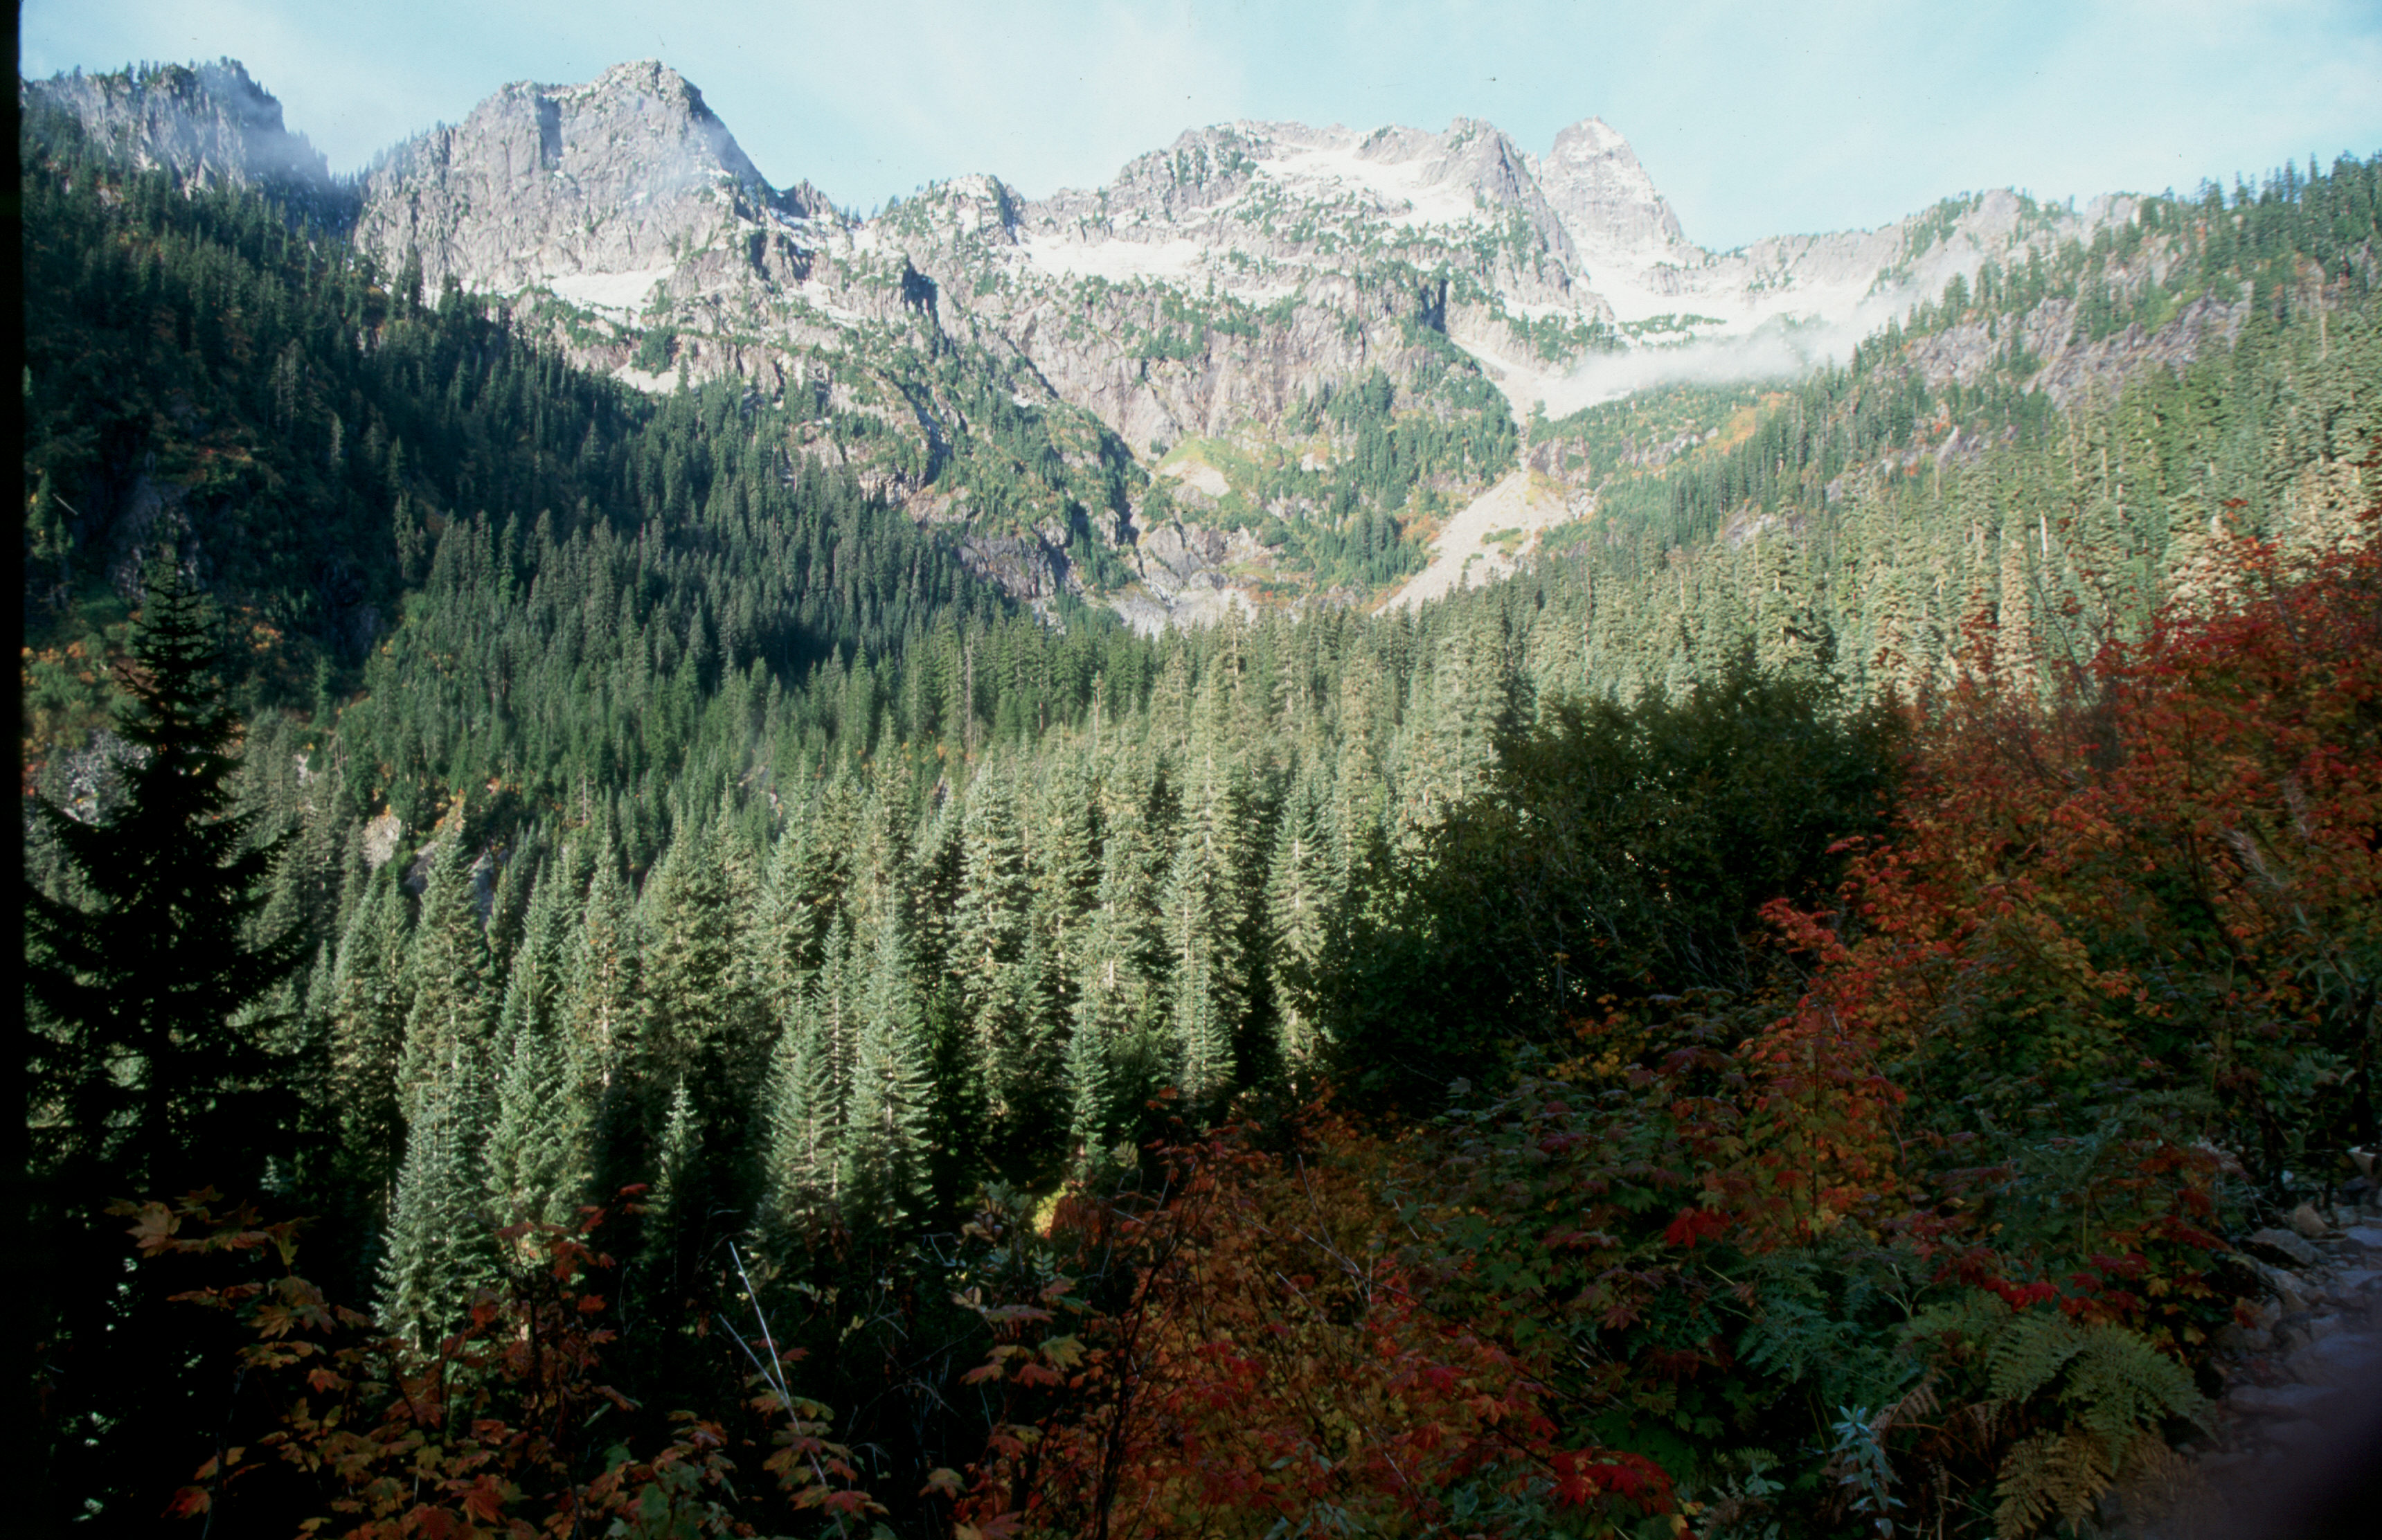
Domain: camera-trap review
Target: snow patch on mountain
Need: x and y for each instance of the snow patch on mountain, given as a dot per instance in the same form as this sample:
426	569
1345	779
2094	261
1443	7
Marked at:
1118	261
1394	182
623	292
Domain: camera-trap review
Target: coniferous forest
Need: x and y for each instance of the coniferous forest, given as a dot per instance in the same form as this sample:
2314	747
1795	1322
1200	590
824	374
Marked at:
586	977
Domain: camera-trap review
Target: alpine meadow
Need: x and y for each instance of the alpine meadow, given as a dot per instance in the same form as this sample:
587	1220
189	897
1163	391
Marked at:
1334	841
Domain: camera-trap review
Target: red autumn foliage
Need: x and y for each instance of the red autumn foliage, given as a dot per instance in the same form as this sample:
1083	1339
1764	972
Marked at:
1278	1359
2169	875
493	1434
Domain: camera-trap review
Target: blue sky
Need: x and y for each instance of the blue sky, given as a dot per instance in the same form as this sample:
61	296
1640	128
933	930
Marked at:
1754	119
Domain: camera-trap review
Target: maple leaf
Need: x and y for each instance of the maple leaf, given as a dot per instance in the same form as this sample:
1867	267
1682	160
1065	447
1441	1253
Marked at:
154	1228
484	1500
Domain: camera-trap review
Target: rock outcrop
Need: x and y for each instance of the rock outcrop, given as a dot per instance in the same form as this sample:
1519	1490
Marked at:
1207	290
1605	199
208	123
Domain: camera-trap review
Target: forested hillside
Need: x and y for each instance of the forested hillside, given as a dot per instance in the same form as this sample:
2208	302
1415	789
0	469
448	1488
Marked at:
207	370
1624	1042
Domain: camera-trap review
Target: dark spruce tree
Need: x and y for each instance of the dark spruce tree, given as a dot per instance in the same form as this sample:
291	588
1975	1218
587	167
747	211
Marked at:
150	1070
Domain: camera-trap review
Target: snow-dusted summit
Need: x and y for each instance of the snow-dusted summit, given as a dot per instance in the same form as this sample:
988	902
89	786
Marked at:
626	198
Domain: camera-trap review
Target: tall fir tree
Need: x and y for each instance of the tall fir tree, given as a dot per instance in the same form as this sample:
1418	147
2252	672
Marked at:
1299	899
449	1020
803	1151
889	1140
439	1246
988	962
603	1015
808	871
677	1200
1111	1058
529	1158
704	1011
368	1011
149	1067
142	971
1203	950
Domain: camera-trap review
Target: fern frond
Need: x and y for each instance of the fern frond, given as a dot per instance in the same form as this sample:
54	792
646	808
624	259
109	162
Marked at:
1970	1317
2028	1352
2119	1383
2159	1481
2050	1475
1986	1415
1916	1403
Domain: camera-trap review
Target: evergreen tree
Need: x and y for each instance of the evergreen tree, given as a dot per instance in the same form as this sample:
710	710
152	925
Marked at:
449	1021
368	1011
704	1018
807	876
988	962
149	1068
1065	862
1299	899
803	1148
530	1155
891	1135
147	1055
1112	1059
603	1024
676	1200
439	1246
1204	954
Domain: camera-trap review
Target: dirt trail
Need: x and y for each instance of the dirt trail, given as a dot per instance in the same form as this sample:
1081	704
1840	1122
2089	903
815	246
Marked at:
2299	1421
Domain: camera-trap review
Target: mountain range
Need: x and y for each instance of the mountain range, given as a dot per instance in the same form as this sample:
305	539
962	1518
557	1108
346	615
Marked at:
1025	370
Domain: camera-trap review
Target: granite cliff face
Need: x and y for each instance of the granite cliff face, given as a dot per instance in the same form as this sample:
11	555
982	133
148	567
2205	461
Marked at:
1605	199
1208	286
1014	367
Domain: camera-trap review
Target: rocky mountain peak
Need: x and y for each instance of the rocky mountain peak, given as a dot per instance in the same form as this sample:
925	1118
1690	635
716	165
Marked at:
208	122
977	207
1202	168
628	176
649	91
1479	156
1262	207
1606	198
